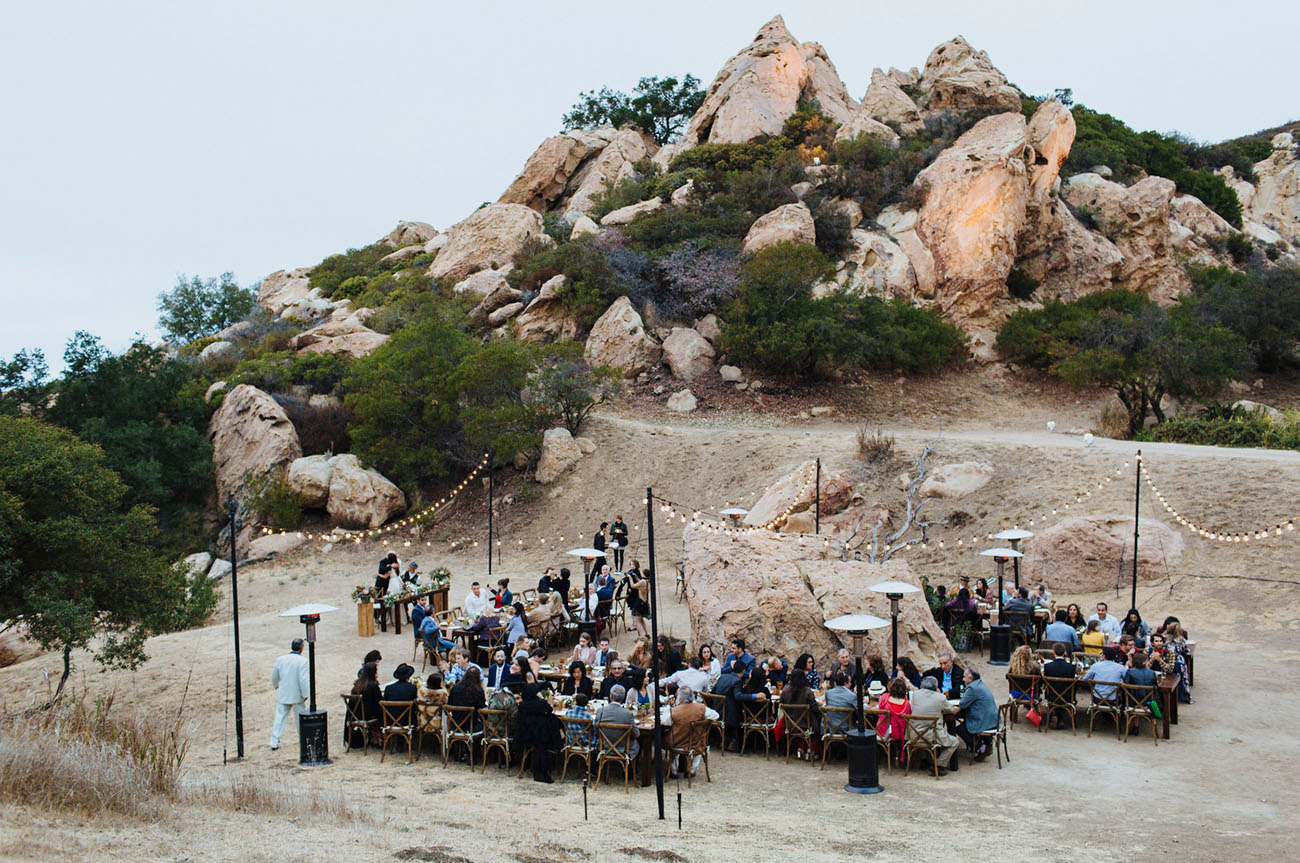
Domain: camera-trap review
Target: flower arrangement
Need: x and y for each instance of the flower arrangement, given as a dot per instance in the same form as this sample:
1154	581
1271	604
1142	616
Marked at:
363	594
440	578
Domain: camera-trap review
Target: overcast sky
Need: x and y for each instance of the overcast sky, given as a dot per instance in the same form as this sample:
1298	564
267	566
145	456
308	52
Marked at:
146	140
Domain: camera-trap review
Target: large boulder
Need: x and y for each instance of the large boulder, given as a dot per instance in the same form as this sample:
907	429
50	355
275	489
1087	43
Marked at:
796	492
975	197
760	87
546	174
284	288
347	337
547	319
863	124
483	282
788	223
956	480
273	545
611	166
1276	200
1090	553
309	478
886	102
490	237
250	434
359	497
687	353
876	265
623	215
198	563
619	340
1072	261
409	234
559	453
778	593
1050	133
499	296
219	352
1136	219
958	77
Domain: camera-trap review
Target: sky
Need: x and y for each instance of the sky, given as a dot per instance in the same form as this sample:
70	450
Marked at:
142	141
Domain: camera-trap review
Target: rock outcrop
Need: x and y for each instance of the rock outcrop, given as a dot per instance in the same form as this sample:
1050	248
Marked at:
484	282
567	170
956	480
284	288
359	497
1090	553
876	265
687	353
1275	202
614	164
347	337
777	594
788	223
409	234
559	453
619	340
623	215
796	492
547	319
861	124
250	434
886	102
957	76
489	238
309	478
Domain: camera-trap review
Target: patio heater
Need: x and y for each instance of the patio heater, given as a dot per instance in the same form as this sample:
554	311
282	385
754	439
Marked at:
1000	633
894	590
735	513
313	733
1014	536
588	555
864	775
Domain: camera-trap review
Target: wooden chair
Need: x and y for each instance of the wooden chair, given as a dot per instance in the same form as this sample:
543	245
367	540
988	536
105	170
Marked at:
579	743
458	727
680	584
952	617
998	736
356	721
397	721
1087	660
1137	709
719	705
496	641
428	720
798	725
618	611
615	748
754	719
836	722
922	736
1058	697
695	744
885	744
1104	705
496	735
1022	626
529	595
1025	691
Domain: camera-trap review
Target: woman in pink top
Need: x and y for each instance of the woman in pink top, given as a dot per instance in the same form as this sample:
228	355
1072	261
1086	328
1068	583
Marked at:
892	725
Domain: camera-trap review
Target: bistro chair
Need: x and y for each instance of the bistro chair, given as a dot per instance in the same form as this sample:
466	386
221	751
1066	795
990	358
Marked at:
1024	690
998	736
397	722
356	723
1058	697
1137	709
496	735
754	721
579	742
798	726
460	727
1103	705
428	721
719	705
615	748
883	742
695	744
836	722
922	736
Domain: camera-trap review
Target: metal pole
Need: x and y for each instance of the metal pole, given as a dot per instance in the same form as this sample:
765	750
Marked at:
234	604
818	512
1137	499
893	613
654	648
311	665
1015	562
491	491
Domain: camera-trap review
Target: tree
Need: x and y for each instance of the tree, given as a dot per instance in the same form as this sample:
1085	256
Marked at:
78	562
23	383
660	107
196	308
571	389
1261	304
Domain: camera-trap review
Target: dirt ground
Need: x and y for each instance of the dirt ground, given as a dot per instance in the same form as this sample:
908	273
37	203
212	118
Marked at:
1216	789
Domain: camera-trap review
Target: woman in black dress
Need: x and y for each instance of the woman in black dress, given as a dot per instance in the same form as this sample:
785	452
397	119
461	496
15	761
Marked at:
638	587
577	681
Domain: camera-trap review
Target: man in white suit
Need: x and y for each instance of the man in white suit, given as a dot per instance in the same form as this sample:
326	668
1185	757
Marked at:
289	677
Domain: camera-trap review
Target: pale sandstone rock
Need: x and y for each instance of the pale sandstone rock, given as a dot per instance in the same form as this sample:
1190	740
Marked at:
1276	202
959	77
789	223
731	374
613	165
211	393
283	288
220	569
501	295
1244	189
583	226
546	319
309	478
862	124
409	234
910	78
623	215
485	282
489	238
707	326
547	173
687	353
402	254
219	351
682	401
885	101
683	194
797	492
619	340
505	313
321	401
586	445
1270	413
347	337
273	545
359	497
851	211
198	563
876	265
952	481
436	243
312	306
1085	554
1073	262
559	453
250	435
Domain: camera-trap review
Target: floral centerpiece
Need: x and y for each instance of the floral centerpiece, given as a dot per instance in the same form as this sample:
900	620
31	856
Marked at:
440	578
363	594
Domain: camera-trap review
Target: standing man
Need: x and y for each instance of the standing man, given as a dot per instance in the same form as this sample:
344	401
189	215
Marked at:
600	541
289	678
618	537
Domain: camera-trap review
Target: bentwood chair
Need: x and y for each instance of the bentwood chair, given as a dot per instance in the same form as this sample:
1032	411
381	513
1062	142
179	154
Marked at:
883	742
836	722
922	736
1058	700
615	748
356	723
397	722
998	736
1022	626
460	726
798	726
695	744
1105	704
1137	709
755	720
428	721
719	705
1025	690
579	742
496	735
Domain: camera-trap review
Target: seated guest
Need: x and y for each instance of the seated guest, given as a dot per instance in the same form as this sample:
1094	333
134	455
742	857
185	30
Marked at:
961	609
536	728
693	676
1139	675
982	592
797	691
1093	640
754	692
840	695
602	653
589	608
1075	618
806	663
1059	666
584	652
729	683
519	674
845	664
431	691
640	655
875	671
367	686
1176	643
617	676
1135	626
1159	658
641	693
1041	597
502	598
1106	622
1020	604
577	682
1127	647
550	614
401	689
907	670
1109	670
536	659
892	723
777	669
517	626
372	656
614	713
979	712
475	602
928	701
738	652
1061	630
561	583
482	628
1023	664
418	612
670	658
504	700
575	734
948	675
680	716
429	630
546	583
460	665
497	672
469	693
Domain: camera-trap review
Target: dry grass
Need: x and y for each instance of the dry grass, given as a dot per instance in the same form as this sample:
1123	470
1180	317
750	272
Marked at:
247	794
1112	422
875	447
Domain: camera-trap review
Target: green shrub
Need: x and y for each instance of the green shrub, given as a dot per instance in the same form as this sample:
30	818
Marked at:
1235	428
197	308
1261	304
277	372
330	274
274	500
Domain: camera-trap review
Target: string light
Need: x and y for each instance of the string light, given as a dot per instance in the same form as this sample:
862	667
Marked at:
1200	530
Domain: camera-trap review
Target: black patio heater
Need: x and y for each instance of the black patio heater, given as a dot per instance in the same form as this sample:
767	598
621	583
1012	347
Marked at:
313	730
